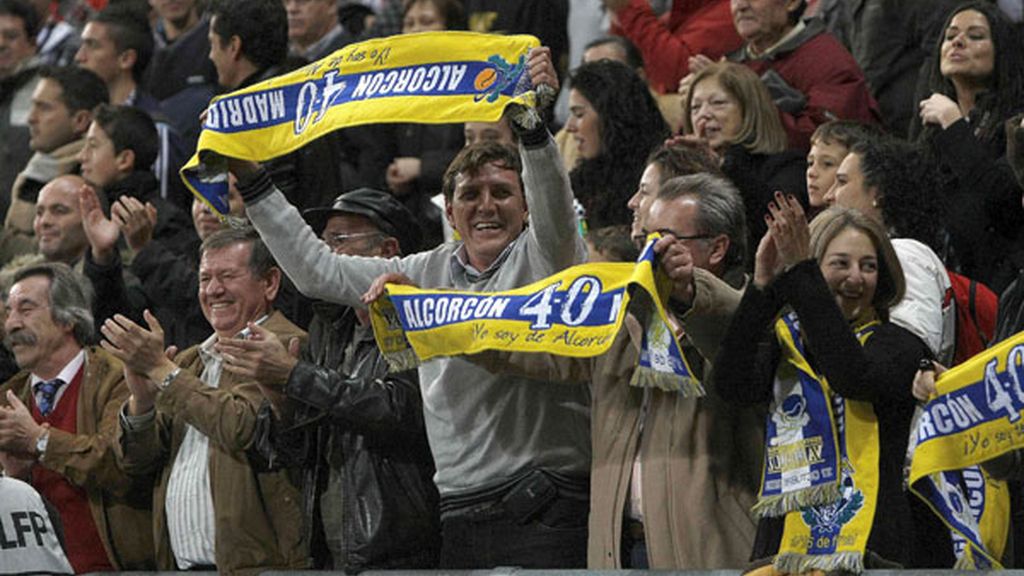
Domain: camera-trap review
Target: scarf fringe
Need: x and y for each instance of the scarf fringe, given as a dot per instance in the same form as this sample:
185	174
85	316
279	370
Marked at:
969	561
644	377
799	563
402	360
780	505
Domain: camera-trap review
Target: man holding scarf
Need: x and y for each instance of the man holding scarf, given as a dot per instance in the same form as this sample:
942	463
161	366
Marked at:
513	492
674	475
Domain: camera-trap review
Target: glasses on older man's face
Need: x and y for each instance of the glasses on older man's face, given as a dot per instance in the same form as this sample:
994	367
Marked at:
678	236
339	241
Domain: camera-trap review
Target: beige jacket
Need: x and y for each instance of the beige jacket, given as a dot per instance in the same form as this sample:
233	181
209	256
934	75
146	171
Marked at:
18	236
700	458
119	503
257	515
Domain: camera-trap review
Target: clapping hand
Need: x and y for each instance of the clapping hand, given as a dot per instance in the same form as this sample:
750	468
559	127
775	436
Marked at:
261	357
785	244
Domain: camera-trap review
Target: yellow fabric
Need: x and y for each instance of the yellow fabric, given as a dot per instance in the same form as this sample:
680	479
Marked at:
576	312
431	78
977	414
984	394
834	535
995	522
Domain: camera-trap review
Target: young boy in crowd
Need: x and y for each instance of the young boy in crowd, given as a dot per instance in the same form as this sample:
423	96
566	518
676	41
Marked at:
830	143
120	147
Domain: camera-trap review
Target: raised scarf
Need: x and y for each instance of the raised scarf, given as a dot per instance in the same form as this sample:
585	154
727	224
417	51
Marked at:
428	78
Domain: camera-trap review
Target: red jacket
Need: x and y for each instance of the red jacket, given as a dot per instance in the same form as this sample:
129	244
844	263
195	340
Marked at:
825	73
692	27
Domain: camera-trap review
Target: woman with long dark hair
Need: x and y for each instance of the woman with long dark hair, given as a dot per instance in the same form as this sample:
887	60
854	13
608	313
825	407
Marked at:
975	83
616	124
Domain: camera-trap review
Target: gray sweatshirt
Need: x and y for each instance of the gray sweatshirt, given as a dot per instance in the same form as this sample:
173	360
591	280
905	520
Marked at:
483	428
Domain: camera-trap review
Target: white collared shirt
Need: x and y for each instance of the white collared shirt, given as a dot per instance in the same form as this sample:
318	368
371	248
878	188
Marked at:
67	374
189	501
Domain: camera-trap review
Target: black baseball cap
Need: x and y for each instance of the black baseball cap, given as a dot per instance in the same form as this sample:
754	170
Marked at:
383	209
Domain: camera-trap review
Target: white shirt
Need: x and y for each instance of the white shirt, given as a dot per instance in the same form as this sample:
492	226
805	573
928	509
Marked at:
189	502
923	309
36	551
67	374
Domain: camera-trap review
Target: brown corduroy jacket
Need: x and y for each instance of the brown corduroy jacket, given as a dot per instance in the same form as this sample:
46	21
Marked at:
120	504
257	515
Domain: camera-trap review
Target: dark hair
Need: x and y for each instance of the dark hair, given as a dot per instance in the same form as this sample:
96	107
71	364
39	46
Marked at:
906	186
631	125
1006	84
472	158
352	16
719	210
845	132
683	159
451	10
262	25
633	58
615	242
892	284
70	297
81	89
128	28
25	12
796	15
129	129
261	261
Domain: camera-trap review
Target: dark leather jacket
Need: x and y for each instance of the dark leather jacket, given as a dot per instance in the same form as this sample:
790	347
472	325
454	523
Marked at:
355	426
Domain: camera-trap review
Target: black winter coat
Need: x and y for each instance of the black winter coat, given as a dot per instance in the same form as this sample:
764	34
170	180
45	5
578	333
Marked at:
352	421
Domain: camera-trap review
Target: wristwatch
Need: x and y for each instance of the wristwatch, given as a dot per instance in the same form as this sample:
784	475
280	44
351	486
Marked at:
169	378
42	442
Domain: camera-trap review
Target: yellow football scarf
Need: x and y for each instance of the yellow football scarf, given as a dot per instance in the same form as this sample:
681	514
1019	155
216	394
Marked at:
576	312
429	78
976	415
828	495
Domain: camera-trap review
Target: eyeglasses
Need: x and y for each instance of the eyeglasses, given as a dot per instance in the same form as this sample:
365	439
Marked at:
678	236
338	240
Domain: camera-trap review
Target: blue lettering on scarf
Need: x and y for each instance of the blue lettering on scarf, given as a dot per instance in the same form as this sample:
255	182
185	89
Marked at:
306	103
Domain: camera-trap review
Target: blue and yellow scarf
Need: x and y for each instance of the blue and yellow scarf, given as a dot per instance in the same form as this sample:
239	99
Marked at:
976	415
821	463
429	78
577	312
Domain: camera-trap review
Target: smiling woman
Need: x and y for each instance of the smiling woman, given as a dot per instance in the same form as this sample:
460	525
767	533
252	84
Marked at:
820	299
729	109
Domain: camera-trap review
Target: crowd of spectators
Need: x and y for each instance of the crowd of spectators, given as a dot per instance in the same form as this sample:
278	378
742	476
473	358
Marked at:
188	391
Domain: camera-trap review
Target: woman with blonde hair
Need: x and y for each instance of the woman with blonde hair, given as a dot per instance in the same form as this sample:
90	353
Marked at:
837	375
729	109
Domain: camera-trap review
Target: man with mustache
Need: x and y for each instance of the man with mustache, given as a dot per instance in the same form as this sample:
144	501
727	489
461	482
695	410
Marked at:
58	417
